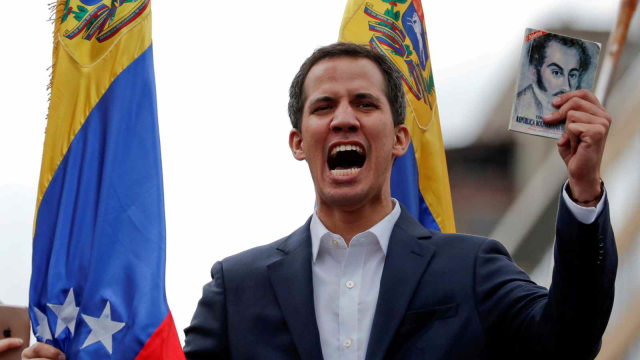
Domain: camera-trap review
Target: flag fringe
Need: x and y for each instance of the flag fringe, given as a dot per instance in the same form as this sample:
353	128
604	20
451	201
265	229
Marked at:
56	10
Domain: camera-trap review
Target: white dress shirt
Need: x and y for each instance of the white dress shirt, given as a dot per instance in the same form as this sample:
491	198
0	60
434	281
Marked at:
346	280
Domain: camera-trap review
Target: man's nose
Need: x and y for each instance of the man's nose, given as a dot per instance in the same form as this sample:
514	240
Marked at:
345	119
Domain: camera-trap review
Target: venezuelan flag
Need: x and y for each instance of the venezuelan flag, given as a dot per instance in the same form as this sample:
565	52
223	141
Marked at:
419	179
97	283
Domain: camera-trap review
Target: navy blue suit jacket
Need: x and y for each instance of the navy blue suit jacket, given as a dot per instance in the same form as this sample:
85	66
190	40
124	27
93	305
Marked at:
442	296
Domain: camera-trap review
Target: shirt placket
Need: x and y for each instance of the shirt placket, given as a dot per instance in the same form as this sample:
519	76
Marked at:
350	283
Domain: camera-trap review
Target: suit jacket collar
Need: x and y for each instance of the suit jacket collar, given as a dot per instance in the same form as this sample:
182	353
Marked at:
407	259
293	285
291	278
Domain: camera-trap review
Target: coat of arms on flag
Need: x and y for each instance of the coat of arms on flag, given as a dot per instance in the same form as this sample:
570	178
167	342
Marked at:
102	22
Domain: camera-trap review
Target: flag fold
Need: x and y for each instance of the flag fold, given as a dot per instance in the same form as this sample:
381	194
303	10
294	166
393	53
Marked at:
97	283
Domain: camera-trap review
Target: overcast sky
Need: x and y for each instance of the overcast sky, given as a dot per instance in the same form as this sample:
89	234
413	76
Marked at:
223	71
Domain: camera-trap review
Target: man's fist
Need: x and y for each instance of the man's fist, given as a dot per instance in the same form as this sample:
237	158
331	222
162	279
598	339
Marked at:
582	144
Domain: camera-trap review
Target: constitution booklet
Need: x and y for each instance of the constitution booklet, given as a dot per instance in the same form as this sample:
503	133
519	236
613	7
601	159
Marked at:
550	65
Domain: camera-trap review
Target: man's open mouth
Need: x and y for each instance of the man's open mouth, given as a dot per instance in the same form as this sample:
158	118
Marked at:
346	160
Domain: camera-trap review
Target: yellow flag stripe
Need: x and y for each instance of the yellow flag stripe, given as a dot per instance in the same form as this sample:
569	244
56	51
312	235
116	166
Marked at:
77	87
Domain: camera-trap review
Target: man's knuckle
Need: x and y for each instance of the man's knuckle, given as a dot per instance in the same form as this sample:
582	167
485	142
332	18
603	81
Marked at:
567	105
27	353
584	103
604	129
583	92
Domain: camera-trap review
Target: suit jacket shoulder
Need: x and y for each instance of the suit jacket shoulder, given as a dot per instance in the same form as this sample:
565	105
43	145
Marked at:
259	304
250	265
458	246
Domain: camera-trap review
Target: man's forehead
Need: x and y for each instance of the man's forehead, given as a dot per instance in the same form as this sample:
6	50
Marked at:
338	72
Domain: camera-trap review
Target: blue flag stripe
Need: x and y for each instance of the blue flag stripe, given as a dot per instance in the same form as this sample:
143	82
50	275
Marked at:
405	188
101	226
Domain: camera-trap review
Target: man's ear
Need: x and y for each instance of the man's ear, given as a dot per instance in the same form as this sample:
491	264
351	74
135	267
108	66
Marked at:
402	140
295	144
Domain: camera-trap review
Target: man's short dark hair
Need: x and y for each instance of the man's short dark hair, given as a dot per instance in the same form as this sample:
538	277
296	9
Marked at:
537	52
392	79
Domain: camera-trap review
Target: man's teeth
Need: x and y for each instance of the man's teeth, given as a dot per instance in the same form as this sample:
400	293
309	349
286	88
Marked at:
345	172
357	148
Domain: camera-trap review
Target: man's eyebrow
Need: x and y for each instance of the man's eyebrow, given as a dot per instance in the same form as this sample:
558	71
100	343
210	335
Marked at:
320	99
556	65
366	96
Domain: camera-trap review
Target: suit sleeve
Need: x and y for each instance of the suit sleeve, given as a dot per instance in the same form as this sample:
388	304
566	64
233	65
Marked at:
567	321
206	337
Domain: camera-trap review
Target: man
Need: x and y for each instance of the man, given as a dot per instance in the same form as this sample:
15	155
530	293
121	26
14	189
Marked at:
557	66
361	279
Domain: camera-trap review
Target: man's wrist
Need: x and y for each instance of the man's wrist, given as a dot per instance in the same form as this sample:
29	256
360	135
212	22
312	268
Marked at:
586	198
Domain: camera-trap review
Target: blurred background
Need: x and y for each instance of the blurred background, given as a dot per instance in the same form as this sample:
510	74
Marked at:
223	70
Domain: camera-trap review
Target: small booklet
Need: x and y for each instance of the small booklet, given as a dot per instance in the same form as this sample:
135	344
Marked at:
550	65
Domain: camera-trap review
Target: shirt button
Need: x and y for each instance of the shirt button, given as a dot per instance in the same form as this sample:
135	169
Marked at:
335	242
347	343
350	284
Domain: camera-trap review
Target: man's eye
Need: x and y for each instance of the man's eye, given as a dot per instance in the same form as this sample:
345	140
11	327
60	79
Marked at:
573	75
366	105
320	108
555	73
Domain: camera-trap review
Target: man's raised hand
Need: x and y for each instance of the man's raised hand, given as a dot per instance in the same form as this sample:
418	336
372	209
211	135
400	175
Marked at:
582	144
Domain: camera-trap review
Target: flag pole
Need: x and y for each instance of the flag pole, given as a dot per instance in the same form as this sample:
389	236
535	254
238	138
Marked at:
616	42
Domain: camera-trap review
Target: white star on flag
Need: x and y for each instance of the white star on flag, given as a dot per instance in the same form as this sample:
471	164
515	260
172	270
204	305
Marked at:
102	329
42	330
67	313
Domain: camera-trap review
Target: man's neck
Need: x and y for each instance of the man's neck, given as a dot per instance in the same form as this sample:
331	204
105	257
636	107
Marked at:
348	222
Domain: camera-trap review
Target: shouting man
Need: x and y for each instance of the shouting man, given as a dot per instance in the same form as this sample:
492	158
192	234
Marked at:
361	279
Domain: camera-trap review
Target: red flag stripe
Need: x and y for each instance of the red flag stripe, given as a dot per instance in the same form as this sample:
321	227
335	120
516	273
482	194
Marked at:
163	343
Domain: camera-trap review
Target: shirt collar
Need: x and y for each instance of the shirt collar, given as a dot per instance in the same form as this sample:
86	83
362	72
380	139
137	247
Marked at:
382	230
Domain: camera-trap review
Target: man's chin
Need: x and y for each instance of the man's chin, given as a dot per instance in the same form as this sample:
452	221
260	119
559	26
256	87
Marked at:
343	198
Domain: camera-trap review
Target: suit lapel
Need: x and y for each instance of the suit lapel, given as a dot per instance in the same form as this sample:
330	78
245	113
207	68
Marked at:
406	261
292	281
